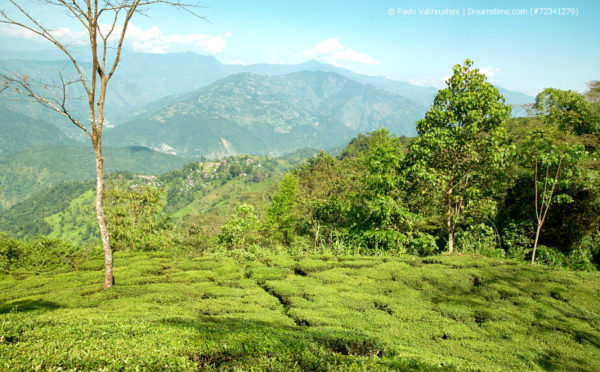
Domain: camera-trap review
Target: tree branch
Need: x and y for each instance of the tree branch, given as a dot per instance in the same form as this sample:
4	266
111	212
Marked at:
25	86
43	32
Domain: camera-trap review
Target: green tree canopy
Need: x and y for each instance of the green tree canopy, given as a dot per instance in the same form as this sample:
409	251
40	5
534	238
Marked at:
569	110
461	147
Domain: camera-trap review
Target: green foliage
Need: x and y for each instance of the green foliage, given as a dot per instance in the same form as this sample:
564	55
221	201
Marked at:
240	230
282	215
479	238
135	218
357	201
517	239
172	311
378	218
573	212
460	153
550	256
10	252
38	255
423	244
568	110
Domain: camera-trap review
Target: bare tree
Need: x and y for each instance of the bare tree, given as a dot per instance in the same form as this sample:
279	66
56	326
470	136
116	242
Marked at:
542	203
106	25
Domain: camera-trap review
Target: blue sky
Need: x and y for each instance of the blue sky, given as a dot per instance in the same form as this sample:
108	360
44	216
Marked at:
388	38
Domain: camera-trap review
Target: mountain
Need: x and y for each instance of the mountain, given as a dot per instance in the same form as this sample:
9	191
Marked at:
19	132
418	94
249	113
26	172
143	78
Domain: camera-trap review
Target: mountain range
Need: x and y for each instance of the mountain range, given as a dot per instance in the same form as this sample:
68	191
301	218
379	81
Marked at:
164	109
144	78
264	114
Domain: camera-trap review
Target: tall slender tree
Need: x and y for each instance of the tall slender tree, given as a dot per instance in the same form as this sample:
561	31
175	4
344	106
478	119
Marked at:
105	24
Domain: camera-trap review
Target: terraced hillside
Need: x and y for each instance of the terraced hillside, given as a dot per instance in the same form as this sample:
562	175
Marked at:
171	311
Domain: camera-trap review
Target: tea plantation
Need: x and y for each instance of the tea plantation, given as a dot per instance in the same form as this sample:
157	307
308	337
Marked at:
173	311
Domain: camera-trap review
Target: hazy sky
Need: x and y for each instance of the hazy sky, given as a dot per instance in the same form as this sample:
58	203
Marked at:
521	45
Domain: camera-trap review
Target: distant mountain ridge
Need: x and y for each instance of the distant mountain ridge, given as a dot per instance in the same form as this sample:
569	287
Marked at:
258	114
143	78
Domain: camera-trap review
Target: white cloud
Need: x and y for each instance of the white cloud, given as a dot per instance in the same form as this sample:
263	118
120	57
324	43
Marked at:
333	52
429	81
63	34
440	82
490	71
151	40
154	41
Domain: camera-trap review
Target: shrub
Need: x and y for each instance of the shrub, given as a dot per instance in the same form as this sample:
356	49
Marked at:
516	240
47	254
582	255
479	239
10	252
41	254
550	256
423	244
241	228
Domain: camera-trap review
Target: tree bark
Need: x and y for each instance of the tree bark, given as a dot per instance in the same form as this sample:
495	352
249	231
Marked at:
537	236
450	232
449	222
108	257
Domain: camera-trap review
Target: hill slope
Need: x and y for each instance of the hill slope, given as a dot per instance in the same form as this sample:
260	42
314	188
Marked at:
19	132
169	311
254	114
203	194
26	172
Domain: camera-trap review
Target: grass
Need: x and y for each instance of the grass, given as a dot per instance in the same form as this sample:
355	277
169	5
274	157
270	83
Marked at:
169	311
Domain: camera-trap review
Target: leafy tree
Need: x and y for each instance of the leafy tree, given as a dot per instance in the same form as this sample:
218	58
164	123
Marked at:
460	149
378	218
237	231
593	94
551	174
281	216
324	186
569	110
104	56
135	218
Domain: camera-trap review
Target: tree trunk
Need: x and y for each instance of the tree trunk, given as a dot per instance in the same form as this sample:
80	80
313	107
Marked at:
451	241
450	231
537	236
108	258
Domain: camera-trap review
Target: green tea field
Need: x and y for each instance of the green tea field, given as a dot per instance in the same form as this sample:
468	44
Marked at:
172	311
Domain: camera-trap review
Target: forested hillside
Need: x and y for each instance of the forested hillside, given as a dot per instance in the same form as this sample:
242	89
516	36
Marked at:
41	167
255	114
